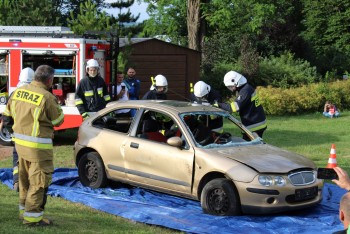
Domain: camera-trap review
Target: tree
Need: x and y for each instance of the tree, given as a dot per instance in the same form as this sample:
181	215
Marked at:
126	22
193	24
89	19
65	7
28	13
167	20
327	25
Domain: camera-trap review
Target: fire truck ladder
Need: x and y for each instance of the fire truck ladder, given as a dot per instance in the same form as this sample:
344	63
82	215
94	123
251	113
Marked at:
36	31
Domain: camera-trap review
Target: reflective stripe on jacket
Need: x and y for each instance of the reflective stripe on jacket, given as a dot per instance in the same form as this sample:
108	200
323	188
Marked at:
91	95
249	107
35	112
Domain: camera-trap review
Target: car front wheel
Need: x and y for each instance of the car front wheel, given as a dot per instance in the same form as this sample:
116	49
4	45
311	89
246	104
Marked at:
91	170
219	197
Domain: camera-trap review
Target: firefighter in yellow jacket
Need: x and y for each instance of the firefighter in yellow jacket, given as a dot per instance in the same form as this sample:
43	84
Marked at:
35	111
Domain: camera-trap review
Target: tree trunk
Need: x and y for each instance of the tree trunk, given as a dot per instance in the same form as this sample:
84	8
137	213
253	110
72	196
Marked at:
193	24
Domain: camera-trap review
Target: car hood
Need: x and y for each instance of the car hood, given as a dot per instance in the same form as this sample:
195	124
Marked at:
265	158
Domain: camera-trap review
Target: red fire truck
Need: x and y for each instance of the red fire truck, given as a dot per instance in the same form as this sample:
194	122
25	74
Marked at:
27	46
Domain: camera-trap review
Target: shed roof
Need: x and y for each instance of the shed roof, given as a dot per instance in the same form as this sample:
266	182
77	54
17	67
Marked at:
125	41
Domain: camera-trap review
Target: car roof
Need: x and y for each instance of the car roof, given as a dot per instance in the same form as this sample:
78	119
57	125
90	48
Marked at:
170	105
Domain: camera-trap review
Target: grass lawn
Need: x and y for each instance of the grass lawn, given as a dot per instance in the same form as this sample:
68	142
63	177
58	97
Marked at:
310	135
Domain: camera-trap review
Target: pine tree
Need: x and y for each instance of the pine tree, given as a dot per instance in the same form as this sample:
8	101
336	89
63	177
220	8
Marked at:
89	19
28	13
126	22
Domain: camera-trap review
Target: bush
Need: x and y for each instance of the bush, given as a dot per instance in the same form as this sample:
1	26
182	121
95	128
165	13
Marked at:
286	71
308	98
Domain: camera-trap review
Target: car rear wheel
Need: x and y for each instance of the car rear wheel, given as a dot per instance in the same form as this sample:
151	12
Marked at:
219	197
91	170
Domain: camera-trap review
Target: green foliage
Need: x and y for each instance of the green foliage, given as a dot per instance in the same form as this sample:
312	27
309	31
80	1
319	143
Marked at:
125	22
168	20
306	99
274	25
123	56
285	71
218	49
90	19
28	13
216	76
65	8
327	25
249	59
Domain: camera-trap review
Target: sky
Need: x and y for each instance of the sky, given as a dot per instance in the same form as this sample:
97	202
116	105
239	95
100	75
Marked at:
134	9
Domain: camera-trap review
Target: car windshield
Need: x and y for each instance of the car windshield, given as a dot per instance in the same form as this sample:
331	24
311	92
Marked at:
211	129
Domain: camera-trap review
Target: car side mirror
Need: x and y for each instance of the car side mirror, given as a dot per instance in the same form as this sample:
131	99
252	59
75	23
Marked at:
175	141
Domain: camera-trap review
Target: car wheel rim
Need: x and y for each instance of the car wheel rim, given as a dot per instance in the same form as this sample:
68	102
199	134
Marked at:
91	171
218	201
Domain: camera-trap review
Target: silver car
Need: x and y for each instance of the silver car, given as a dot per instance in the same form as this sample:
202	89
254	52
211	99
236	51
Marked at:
193	151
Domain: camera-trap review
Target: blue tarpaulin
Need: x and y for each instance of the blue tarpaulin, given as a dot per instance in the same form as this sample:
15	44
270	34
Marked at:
186	215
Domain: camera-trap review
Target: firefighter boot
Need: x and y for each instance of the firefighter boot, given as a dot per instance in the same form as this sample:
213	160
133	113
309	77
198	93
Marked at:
43	222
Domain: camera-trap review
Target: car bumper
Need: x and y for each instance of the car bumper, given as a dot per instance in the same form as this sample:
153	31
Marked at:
265	200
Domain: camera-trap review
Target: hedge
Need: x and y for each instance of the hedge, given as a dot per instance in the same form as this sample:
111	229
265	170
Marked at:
306	99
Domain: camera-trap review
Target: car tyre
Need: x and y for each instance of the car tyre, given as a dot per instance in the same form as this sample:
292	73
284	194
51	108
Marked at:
219	197
91	171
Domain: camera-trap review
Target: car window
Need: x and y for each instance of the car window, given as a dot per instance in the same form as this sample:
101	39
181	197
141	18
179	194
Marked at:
216	129
158	126
117	120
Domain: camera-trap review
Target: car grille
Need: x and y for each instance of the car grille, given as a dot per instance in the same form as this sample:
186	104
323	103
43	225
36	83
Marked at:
302	178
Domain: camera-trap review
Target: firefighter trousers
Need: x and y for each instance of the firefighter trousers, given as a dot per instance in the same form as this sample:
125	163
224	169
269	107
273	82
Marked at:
34	180
15	165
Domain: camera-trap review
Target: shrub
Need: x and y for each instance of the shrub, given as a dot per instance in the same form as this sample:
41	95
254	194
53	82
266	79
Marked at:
285	71
308	98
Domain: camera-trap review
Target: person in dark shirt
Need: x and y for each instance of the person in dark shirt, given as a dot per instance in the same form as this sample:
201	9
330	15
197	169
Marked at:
132	84
158	90
205	95
247	103
92	94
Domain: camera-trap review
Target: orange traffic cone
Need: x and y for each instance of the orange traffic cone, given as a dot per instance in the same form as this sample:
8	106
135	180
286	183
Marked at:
332	161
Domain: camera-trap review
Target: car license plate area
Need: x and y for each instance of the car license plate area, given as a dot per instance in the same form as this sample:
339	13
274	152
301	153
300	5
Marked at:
305	194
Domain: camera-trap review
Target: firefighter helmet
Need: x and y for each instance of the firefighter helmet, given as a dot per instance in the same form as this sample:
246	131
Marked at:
92	63
161	84
26	76
233	78
201	89
161	80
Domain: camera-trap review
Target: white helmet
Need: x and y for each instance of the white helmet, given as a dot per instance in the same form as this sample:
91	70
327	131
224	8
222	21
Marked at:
92	63
26	76
160	81
201	89
233	78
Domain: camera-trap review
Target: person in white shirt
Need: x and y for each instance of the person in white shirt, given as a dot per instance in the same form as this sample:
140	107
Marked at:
122	90
122	93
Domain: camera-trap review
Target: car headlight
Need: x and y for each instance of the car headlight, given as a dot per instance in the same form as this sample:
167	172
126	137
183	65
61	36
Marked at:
268	180
265	180
280	181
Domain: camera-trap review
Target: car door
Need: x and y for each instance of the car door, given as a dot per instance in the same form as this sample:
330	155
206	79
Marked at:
112	131
158	164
